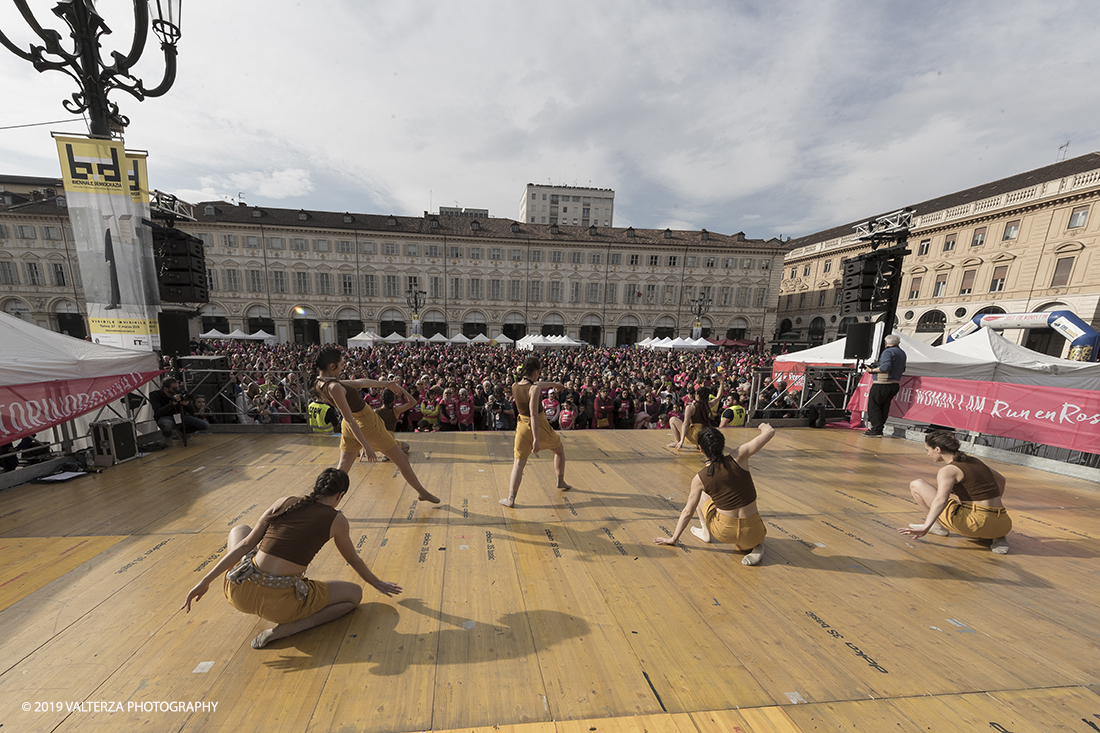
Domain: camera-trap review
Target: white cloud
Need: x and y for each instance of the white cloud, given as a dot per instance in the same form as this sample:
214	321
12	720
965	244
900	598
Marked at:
807	114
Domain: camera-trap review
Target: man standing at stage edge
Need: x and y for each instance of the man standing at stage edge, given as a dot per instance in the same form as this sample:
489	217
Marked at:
887	376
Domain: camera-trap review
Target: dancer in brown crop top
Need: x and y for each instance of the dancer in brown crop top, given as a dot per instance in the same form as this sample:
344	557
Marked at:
724	497
696	416
978	513
265	565
362	431
533	432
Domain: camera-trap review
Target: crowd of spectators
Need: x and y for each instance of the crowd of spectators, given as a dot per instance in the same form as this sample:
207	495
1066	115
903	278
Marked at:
468	387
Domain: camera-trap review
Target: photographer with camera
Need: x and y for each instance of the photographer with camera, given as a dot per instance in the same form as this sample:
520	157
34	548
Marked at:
167	402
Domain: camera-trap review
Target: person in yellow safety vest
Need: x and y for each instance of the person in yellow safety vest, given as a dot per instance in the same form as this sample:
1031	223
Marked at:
734	415
322	418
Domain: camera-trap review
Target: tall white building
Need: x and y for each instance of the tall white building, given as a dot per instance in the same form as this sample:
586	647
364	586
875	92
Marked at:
570	205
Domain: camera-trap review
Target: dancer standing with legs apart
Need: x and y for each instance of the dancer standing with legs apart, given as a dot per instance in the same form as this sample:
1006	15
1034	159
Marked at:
533	432
724	497
265	566
362	432
978	512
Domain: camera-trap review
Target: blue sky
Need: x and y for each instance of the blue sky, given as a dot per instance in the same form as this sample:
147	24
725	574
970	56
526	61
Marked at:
777	118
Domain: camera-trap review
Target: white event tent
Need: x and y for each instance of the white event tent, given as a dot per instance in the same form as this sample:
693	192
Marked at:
1015	364
364	340
921	360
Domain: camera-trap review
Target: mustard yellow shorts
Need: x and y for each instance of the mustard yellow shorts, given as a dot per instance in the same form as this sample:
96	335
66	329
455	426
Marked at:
975	520
692	434
277	605
374	430
743	533
525	439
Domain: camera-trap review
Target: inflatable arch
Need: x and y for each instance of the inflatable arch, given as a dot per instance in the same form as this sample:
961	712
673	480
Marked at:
1083	338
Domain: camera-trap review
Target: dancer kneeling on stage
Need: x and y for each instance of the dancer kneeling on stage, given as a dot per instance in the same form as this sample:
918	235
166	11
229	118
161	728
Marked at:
533	432
978	513
362	432
696	417
724	496
264	566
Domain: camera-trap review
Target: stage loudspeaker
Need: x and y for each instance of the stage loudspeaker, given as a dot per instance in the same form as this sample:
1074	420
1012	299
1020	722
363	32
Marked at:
859	342
115	441
175	337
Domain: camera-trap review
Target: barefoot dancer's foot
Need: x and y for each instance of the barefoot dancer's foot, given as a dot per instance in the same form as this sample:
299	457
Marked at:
425	496
753	558
671	445
1000	546
266	638
509	502
701	533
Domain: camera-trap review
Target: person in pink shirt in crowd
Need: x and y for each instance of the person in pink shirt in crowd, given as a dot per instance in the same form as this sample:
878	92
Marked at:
414	414
373	398
465	409
552	407
567	418
448	410
605	408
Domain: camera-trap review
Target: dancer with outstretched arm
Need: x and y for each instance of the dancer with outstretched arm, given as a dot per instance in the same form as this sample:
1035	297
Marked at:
696	417
265	565
978	512
362	432
724	497
533	431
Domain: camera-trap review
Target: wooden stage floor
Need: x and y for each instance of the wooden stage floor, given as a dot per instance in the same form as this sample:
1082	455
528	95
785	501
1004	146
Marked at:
560	615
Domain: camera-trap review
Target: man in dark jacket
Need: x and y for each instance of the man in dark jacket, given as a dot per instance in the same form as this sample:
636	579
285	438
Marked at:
887	376
167	402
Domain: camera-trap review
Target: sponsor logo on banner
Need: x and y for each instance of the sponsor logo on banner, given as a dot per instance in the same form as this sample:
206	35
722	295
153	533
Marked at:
1067	328
107	194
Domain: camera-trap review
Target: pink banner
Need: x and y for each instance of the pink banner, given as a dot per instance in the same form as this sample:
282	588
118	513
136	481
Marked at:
26	409
1066	418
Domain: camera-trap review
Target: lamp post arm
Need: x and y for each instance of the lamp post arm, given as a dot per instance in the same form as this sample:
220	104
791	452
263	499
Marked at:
25	55
51	37
123	64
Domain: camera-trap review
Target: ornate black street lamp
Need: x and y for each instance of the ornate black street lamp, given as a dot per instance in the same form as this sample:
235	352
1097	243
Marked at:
84	63
416	301
699	308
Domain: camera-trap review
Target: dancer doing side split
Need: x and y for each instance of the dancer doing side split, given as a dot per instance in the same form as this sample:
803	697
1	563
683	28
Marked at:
264	566
362	431
533	431
724	496
978	513
696	417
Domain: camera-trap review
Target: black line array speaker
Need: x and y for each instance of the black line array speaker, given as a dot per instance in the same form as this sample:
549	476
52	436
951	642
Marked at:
175	336
181	266
859	344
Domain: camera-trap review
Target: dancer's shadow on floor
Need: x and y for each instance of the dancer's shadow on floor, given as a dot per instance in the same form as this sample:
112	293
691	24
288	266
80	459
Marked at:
792	552
372	638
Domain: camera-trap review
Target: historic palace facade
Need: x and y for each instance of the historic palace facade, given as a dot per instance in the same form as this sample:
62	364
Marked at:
1023	244
316	276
